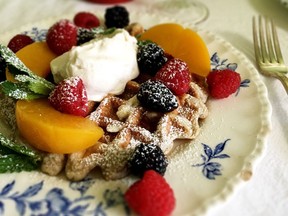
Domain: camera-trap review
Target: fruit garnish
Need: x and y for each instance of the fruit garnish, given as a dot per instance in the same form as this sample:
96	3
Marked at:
28	85
156	96
86	20
150	58
37	57
70	97
62	36
49	130
16	157
84	35
57	123
148	157
19	41
151	195
175	75
222	83
182	43
117	17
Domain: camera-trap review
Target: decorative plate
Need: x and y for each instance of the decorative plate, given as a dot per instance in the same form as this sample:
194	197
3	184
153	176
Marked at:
202	173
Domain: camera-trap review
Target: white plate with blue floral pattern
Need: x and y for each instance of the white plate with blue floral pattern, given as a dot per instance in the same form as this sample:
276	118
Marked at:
202	173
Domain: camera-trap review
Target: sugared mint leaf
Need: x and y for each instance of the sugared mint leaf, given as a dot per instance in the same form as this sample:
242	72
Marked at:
16	157
18	91
35	85
29	85
12	59
15	163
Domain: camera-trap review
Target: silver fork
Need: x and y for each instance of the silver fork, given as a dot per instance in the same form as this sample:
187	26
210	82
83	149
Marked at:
267	50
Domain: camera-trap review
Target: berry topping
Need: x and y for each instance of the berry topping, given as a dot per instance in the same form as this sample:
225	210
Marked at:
147	157
70	97
117	17
222	83
175	75
156	96
150	58
19	41
2	69
84	35
86	20
62	36
182	43
151	196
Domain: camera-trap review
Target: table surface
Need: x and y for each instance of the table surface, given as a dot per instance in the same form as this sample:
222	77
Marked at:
266	193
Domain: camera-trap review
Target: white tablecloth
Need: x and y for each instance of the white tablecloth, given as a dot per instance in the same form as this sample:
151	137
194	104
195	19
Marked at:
266	193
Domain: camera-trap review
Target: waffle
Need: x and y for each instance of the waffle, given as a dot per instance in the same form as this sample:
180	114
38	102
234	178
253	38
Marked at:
126	124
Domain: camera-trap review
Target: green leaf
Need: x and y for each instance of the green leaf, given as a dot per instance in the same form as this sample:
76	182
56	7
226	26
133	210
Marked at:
143	42
5	151
18	91
108	31
35	85
12	59
103	31
21	149
15	163
31	85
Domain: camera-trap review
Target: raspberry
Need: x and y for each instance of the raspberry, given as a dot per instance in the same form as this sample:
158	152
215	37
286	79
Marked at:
117	17
86	20
175	75
222	83
156	96
147	157
150	58
62	36
2	69
19	41
70	97
151	196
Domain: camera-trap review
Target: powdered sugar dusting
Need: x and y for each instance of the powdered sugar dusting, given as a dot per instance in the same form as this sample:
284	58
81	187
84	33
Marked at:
70	96
62	36
127	124
175	75
156	96
7	111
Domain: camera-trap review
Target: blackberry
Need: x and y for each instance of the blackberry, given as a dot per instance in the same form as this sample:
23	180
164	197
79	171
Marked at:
150	58
156	96
148	157
84	35
2	69
117	17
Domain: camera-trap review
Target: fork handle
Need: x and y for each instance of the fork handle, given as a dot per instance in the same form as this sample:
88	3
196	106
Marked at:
284	80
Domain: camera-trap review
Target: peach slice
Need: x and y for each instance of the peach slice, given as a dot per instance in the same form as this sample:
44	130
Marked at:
182	43
37	57
49	130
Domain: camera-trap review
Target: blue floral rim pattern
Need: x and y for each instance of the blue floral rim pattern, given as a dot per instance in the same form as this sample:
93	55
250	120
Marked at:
211	169
56	202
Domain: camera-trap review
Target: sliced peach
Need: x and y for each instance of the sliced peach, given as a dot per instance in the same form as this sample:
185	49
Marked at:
37	57
52	131
182	43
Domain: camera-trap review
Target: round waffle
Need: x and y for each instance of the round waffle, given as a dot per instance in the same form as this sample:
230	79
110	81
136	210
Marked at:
126	124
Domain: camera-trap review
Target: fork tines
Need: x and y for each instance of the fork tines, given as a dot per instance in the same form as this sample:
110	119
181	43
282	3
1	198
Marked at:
267	50
271	51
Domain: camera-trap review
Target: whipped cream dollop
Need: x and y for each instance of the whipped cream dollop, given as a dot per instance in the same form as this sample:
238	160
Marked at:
105	64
